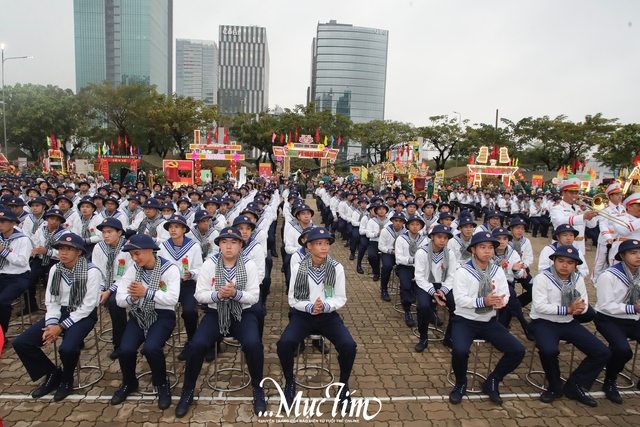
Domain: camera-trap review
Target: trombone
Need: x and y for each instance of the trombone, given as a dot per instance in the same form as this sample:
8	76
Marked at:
599	203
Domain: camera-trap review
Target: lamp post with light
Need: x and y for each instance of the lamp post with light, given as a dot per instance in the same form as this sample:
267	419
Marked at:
4	109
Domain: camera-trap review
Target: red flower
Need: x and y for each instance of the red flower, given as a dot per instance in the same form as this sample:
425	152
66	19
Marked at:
493	287
92	230
505	264
121	261
66	225
213	281
185	261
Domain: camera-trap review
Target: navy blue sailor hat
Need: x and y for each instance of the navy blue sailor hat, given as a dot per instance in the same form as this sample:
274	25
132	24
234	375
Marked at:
71	240
140	241
566	251
482	238
627	245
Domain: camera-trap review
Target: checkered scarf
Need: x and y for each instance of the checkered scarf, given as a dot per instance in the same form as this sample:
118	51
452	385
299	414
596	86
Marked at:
77	276
112	253
153	225
301	285
36	222
228	307
445	263
203	239
484	288
48	244
132	213
86	232
633	293
569	291
145	311
5	245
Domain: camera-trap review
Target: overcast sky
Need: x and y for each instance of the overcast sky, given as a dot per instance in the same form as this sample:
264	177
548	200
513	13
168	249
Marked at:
525	58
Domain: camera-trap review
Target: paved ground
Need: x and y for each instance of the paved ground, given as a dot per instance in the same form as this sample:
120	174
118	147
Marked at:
412	388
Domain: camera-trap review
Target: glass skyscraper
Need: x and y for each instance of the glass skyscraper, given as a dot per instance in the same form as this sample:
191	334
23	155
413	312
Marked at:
124	41
197	69
349	71
244	70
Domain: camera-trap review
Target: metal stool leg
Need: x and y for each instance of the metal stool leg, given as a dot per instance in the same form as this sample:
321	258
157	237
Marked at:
321	370
21	322
170	373
94	368
245	377
474	373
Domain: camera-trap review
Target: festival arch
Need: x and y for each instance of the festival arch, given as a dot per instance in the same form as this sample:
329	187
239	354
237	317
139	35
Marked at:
305	149
495	165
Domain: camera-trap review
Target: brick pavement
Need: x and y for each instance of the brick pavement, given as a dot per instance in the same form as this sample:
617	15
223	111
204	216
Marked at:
412	387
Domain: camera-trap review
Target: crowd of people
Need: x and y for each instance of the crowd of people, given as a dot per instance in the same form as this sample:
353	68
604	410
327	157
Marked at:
140	251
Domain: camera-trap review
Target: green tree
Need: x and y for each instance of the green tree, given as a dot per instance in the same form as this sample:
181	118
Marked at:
178	116
379	136
621	148
444	136
255	132
36	111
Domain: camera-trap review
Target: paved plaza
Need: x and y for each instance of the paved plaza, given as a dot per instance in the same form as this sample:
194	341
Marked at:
411	387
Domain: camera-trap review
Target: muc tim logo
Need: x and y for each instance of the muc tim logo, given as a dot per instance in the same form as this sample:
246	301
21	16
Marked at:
325	408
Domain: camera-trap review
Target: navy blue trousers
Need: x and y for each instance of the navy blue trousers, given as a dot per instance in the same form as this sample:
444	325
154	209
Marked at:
388	261
512	309
11	287
342	228
464	331
616	331
245	331
405	276
265	286
548	335
329	325
354	240
363	242
271	236
189	306
425	310
157	337
527	285
374	257
28	347
118	320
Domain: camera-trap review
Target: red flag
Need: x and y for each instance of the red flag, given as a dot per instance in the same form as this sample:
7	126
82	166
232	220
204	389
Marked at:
119	143
215	134
290	140
339	141
317	135
226	136
208	136
281	138
296	134
126	144
112	150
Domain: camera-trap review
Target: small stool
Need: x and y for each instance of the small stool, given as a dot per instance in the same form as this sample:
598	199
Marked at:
21	322
629	378
321	369
93	369
394	283
149	389
474	373
541	386
103	331
437	331
179	332
245	377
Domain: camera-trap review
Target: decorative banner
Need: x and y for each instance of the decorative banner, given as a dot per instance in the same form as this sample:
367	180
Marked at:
537	181
172	168
439	178
355	170
364	173
264	169
196	136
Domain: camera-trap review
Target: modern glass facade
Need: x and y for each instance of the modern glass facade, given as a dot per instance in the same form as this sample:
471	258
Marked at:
244	70
349	71
124	41
197	69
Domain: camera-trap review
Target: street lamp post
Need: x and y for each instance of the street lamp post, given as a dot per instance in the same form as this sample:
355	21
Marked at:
4	109
457	145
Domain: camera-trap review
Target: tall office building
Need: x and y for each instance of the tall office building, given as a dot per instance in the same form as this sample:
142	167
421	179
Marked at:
197	69
349	71
124	41
244	70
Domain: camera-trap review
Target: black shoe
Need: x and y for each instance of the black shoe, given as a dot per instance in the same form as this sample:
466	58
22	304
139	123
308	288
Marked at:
183	354
321	348
529	335
121	394
259	404
64	390
352	257
422	345
459	390
186	398
385	296
376	277
610	388
359	270
115	354
274	254
575	392
290	392
211	353
164	395
344	399
346	244
408	319
490	386
50	383
549	396
447	342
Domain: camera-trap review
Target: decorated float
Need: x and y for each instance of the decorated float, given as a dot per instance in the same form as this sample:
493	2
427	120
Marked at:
492	165
306	148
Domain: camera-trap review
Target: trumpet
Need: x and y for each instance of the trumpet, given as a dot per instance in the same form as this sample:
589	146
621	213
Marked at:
598	203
